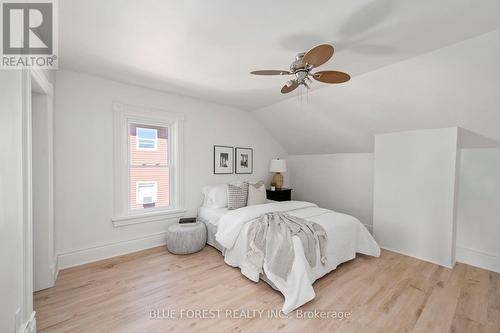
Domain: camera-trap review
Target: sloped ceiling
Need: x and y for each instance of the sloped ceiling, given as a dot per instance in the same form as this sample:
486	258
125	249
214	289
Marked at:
457	85
206	49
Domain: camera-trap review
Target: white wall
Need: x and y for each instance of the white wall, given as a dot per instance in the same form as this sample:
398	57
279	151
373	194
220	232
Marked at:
478	222
414	193
84	161
341	182
11	199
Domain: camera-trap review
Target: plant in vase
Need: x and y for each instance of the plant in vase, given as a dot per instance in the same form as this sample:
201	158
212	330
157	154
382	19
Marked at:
273	186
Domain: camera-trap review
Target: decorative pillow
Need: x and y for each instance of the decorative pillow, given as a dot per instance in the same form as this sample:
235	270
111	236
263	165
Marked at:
237	196
215	196
256	194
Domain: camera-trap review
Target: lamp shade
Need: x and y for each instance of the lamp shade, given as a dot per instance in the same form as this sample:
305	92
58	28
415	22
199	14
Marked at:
277	165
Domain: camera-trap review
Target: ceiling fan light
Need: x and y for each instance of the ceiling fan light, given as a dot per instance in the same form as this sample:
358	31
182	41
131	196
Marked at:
302	68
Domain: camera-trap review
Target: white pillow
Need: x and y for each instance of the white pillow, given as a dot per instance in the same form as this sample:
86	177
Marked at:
256	194
215	196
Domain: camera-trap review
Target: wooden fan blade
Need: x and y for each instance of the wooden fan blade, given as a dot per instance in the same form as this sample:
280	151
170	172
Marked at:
318	55
331	77
270	72
286	89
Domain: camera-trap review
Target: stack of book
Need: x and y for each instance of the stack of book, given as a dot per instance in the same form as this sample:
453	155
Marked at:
186	220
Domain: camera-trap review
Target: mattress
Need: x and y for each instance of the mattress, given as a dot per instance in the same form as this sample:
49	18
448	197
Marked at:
211	215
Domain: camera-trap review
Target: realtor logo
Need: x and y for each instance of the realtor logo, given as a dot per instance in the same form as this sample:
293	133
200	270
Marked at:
29	34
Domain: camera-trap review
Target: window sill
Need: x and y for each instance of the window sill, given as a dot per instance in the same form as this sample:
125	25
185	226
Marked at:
121	221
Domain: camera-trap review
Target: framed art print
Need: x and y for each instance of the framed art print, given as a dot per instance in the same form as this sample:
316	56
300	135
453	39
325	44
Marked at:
223	160
243	160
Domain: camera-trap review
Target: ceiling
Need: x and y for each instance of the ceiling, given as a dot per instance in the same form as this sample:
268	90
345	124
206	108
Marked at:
455	86
206	49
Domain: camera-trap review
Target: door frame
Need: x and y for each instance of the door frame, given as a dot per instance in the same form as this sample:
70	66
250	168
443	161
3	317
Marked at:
35	78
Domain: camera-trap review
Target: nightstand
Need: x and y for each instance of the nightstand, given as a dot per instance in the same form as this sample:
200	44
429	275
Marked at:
285	194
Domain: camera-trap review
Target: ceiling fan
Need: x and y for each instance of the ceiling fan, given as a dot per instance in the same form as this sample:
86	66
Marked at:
304	63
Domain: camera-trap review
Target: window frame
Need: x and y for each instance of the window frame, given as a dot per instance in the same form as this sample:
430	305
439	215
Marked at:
124	116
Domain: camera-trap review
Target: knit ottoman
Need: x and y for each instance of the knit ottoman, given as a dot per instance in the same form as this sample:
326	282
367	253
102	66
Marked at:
186	238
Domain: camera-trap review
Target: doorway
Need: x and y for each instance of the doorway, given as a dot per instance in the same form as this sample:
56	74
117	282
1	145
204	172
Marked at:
44	261
39	264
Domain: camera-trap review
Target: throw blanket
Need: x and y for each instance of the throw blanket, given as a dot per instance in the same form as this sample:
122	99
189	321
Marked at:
270	239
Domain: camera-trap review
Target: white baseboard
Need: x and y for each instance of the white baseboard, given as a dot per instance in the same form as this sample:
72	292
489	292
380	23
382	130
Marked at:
55	268
479	259
417	257
29	326
84	256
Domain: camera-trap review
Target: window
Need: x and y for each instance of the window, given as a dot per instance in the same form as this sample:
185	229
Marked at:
148	165
147	138
149	172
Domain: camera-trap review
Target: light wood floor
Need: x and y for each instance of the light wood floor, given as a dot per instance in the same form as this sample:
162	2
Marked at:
393	293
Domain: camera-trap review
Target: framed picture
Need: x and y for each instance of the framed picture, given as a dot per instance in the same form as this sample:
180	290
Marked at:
223	160
243	160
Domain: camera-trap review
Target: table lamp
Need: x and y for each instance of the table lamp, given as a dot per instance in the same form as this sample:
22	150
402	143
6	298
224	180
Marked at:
277	166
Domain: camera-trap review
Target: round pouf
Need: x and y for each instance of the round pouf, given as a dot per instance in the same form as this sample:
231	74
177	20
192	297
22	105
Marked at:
186	238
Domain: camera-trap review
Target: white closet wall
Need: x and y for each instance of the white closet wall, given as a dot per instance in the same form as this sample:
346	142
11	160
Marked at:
414	193
478	219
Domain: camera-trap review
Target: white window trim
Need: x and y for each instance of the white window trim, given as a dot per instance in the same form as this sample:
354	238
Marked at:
146	149
124	115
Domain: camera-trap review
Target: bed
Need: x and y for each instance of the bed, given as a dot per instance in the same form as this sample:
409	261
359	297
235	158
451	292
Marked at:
227	232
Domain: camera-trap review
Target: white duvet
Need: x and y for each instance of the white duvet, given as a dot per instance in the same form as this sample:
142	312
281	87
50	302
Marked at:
346	237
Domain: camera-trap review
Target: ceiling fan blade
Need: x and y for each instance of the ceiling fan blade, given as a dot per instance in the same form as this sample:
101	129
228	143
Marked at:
288	88
331	77
270	72
318	55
